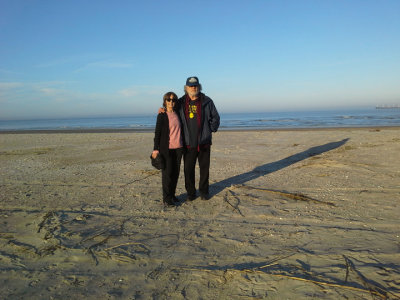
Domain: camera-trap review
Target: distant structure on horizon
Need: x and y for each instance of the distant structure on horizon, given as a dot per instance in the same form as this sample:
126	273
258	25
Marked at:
387	106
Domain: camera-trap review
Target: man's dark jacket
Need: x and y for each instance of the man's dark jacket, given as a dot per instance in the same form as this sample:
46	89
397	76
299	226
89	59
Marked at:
209	119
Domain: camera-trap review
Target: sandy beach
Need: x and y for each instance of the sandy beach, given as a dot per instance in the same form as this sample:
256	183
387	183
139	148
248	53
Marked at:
294	214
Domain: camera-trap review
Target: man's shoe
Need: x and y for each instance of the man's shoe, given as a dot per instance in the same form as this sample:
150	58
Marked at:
191	197
168	202
205	196
175	200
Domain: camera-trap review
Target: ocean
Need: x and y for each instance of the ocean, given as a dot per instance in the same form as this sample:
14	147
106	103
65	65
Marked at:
229	121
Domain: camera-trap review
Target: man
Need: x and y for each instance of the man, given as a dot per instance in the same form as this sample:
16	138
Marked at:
199	119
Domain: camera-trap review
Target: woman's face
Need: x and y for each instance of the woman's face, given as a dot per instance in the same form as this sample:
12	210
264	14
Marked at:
171	103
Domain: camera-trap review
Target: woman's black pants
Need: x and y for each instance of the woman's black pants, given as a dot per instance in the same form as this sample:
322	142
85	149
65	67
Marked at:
170	174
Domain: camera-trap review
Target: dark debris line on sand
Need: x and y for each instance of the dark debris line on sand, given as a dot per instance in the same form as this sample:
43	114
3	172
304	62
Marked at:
294	196
295	272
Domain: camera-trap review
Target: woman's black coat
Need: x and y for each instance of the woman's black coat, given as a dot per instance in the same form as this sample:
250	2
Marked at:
161	136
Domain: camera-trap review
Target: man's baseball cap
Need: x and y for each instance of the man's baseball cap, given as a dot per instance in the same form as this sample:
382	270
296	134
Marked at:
192	81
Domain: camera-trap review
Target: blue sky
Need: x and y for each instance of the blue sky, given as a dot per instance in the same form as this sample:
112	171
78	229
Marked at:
101	58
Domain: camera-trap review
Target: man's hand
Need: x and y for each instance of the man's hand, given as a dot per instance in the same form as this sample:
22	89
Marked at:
161	110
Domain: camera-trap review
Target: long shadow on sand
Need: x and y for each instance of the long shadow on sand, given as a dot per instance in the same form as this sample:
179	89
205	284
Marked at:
262	170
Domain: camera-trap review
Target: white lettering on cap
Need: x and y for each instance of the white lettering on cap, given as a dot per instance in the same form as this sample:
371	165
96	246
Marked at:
192	80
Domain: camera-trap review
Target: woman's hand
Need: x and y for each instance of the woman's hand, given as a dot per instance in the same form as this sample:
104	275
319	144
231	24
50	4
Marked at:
154	153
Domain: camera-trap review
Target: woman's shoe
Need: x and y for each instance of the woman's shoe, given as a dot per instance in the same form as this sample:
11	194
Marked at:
191	197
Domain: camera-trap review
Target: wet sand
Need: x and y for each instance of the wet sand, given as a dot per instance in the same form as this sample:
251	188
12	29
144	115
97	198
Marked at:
294	214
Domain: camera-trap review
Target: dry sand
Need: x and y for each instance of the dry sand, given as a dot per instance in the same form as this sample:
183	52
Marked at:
293	215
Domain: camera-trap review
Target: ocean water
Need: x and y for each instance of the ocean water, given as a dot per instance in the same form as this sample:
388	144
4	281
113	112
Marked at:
229	121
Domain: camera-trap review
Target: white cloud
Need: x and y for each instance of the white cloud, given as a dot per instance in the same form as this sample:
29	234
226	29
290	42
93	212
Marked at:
142	90
8	72
70	60
10	85
30	85
50	91
105	65
58	99
129	92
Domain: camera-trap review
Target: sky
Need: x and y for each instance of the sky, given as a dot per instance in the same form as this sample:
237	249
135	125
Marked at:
61	59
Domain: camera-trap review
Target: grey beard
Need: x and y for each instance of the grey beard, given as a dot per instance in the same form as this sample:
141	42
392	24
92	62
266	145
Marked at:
193	94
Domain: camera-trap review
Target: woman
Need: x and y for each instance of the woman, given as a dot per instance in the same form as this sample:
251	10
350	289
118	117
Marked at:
168	144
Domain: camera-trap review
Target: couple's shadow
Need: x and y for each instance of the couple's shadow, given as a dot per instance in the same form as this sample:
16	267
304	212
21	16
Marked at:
268	168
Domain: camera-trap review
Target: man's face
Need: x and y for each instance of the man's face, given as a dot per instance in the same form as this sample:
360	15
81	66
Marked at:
192	90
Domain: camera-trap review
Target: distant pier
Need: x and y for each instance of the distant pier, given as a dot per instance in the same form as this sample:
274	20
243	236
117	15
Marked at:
388	106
